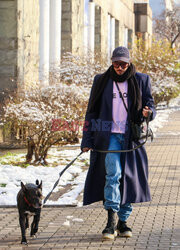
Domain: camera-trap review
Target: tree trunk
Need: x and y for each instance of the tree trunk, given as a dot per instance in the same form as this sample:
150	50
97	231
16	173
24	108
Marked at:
30	149
40	154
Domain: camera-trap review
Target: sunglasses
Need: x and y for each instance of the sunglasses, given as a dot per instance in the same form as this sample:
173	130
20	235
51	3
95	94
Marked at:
123	65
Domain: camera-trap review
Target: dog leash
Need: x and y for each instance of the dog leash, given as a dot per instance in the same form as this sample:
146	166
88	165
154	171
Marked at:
60	174
148	133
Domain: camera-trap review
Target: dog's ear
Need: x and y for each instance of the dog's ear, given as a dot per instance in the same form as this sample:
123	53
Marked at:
37	182
40	185
23	186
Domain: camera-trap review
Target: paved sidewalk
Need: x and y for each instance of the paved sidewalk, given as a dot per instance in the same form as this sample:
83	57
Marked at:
155	225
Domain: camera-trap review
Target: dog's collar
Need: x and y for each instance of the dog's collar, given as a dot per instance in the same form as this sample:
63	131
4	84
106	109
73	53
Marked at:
29	204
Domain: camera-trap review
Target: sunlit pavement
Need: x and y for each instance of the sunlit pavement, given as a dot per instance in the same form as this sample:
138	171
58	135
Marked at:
155	224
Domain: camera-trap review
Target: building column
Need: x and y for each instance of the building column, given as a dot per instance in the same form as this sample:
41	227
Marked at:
86	25
44	41
125	37
98	48
91	33
117	39
55	35
109	38
130	38
112	34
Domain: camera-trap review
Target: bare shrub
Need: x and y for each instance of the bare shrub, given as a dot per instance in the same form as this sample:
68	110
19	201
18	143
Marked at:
50	114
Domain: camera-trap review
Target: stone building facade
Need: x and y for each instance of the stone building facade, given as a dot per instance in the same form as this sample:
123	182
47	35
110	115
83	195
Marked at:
19	49
34	34
19	33
96	25
72	27
113	25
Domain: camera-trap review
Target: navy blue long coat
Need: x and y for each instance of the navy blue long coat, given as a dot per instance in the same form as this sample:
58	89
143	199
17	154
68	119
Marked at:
134	182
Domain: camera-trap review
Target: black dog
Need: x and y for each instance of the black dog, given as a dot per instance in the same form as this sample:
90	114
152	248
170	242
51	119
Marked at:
29	202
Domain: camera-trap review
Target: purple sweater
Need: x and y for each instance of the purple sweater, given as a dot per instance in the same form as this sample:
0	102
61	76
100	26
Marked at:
119	113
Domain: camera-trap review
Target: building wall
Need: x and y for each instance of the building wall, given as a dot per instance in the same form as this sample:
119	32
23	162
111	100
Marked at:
169	4
98	27
123	13
21	21
19	49
73	23
143	22
72	26
66	26
28	42
8	47
77	26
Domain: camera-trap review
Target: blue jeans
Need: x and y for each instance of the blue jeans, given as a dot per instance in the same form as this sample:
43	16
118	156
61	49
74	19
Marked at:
113	175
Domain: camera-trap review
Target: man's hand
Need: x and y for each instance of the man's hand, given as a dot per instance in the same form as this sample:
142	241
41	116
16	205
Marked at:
86	149
145	111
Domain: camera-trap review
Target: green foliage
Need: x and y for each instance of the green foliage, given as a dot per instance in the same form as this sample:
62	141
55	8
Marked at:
160	57
162	64
8	154
13	159
3	184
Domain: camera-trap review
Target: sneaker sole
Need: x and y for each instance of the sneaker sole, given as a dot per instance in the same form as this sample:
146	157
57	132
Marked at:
107	236
126	234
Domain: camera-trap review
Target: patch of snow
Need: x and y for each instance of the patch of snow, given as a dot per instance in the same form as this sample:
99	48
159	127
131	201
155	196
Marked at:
77	220
66	223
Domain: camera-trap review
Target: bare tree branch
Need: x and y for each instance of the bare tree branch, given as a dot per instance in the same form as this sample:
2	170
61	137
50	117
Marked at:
167	25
